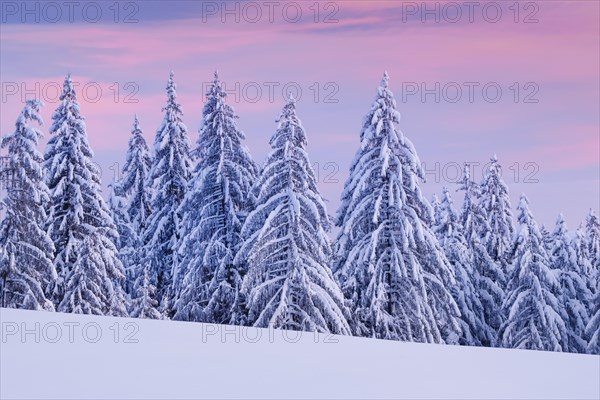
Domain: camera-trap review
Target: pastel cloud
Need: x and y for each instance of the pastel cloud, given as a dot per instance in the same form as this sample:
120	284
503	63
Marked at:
560	54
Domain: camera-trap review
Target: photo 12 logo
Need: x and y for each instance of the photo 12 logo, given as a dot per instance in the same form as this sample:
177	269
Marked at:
54	12
455	12
87	92
69	332
471	92
325	172
278	92
453	172
211	333
253	12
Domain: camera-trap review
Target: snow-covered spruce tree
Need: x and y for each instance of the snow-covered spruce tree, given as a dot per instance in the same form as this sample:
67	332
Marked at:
449	232
496	236
26	268
117	206
134	179
582	258
289	284
547	239
124	243
471	215
93	286
495	203
437	210
168	179
137	205
532	309
593	328
389	263
485	270
574	296
592	238
213	212
90	275
143	302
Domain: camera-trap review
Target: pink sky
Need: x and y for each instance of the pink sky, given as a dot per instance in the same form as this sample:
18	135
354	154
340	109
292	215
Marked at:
559	54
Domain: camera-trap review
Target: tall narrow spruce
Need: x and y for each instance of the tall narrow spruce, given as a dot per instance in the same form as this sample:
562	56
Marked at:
289	284
27	271
208	283
168	179
90	275
388	261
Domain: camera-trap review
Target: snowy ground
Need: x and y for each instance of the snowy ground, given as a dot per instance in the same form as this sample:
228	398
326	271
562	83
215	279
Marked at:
63	356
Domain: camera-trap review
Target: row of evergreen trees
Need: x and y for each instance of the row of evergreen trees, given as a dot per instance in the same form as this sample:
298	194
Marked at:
204	234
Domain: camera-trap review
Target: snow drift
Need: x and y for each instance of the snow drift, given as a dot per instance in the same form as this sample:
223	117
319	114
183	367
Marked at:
67	356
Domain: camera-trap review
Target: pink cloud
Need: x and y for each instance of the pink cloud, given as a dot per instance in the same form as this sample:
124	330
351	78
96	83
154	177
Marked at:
581	150
560	53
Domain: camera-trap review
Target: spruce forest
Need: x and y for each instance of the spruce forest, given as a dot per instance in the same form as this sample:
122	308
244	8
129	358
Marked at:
201	232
